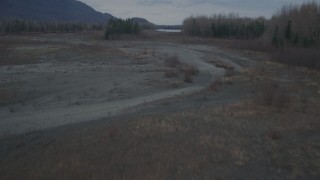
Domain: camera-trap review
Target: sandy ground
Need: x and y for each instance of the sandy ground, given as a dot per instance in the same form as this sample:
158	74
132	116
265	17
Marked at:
72	79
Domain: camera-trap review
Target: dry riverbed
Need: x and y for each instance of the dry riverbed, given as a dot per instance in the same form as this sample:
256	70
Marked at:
81	80
74	106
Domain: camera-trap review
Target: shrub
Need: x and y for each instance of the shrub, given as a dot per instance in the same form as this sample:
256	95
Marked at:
215	85
273	95
299	57
229	72
172	61
170	73
189	69
222	64
188	78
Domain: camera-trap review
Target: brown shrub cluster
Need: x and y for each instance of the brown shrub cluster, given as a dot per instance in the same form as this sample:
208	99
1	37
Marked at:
172	61
272	94
171	73
299	57
222	64
174	66
189	71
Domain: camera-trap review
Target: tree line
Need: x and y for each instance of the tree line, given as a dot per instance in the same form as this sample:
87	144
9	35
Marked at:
118	27
25	26
292	35
293	25
224	26
296	26
295	31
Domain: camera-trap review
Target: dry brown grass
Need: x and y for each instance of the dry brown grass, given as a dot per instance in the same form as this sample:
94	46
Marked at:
222	64
251	45
201	143
272	94
13	51
308	57
95	49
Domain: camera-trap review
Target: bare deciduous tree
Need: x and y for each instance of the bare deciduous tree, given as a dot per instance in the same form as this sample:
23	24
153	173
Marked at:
224	26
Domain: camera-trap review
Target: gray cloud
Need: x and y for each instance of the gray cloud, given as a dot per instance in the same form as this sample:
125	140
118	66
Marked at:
174	11
154	2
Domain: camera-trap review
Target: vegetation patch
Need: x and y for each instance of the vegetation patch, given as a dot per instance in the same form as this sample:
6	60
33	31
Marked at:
116	28
171	73
221	64
172	61
309	57
214	86
287	36
175	66
273	95
6	96
188	78
28	26
189	69
224	26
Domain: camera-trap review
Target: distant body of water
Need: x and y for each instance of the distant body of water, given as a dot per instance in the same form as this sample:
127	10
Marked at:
169	30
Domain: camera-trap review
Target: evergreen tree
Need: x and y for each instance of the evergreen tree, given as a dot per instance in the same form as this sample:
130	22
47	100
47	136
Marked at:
288	31
116	28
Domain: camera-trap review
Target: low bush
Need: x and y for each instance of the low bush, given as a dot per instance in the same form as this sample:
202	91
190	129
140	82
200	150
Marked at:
229	72
188	78
170	73
299	57
215	85
174	66
189	69
222	64
273	95
172	61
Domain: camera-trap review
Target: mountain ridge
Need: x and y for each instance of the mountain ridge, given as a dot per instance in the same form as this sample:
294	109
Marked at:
51	11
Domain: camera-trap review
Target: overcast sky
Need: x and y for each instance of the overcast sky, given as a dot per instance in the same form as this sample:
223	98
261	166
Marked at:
174	11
